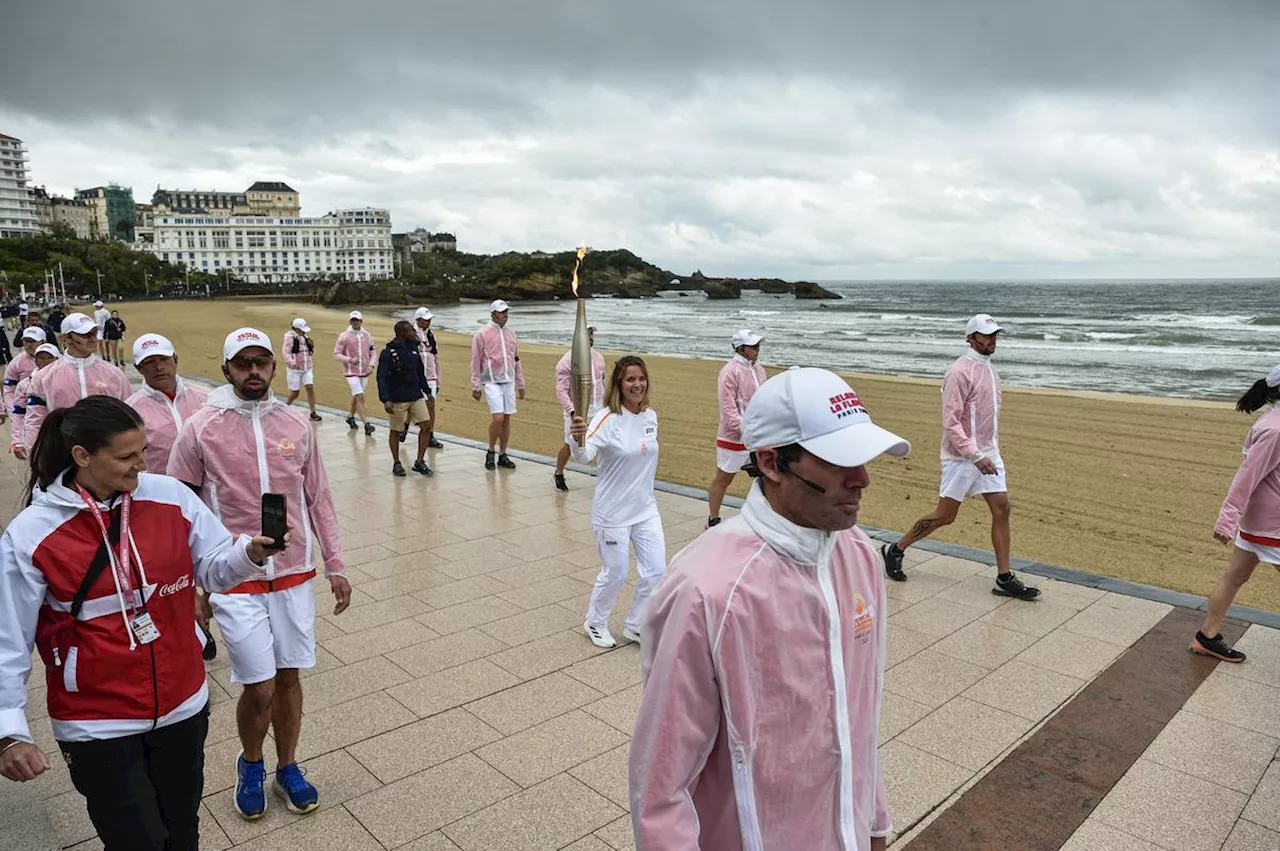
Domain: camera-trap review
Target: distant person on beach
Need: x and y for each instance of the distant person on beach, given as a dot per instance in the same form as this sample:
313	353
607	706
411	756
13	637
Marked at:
45	354
623	438
430	352
21	367
739	379
100	317
56	317
299	364
51	334
764	647
78	374
1250	515
564	392
113	333
403	389
354	350
496	375
971	463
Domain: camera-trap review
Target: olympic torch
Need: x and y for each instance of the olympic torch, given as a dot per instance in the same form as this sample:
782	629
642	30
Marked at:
580	353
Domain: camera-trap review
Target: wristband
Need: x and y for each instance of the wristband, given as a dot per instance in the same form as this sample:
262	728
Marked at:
12	744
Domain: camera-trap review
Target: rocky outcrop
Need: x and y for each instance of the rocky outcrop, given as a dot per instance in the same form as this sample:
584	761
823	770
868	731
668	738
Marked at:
809	290
723	288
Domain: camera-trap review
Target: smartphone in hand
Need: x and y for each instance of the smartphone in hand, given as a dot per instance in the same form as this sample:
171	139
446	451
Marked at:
274	519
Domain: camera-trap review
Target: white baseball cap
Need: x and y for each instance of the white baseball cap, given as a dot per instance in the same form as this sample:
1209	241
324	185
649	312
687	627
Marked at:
355	314
301	325
78	323
982	323
32	332
499	306
244	338
97	304
48	349
151	345
422	313
820	411
746	337
1273	377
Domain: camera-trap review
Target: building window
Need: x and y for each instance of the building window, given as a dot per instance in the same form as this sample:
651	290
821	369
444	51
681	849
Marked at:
220	240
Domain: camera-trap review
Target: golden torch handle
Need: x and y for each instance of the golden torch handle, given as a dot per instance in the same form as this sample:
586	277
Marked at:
580	353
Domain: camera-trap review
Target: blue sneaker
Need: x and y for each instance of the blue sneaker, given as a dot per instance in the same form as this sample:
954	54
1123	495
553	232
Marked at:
299	795
251	798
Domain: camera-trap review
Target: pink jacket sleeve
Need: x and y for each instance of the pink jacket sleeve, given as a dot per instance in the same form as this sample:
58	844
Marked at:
324	517
10	374
729	412
564	384
519	366
185	463
477	346
340	351
677	723
35	413
123	388
953	393
1262	459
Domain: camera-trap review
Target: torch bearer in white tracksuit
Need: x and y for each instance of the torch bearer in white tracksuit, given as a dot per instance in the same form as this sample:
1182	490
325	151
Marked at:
580	353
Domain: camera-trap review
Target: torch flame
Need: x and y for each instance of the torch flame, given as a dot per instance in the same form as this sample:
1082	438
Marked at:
582	255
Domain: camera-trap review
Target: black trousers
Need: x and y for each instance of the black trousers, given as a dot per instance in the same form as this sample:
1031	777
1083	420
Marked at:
143	791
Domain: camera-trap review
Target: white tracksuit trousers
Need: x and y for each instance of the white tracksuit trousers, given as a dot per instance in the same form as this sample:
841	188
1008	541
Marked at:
651	562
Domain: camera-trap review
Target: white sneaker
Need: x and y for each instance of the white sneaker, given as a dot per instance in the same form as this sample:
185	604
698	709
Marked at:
631	634
600	636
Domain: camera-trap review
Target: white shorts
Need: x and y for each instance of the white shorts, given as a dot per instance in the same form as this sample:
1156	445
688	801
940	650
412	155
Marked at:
1264	552
962	478
435	388
297	380
501	398
731	460
357	383
267	632
568	421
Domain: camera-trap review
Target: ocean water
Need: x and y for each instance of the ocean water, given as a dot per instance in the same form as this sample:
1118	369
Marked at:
1190	339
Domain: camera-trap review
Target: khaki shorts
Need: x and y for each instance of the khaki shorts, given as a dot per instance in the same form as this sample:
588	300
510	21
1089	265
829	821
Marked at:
415	412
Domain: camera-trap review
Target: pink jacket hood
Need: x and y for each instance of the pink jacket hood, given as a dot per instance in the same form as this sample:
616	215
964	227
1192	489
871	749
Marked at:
234	451
66	381
738	381
971	400
304	359
164	419
564	382
354	350
763	666
1252	506
495	357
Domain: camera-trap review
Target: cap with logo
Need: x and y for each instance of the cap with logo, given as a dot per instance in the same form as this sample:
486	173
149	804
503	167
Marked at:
300	324
746	337
820	411
48	349
33	332
983	323
355	314
499	306
245	338
78	323
151	345
422	313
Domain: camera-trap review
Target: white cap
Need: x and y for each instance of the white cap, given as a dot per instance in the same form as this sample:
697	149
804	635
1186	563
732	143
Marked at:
818	410
355	314
149	345
78	323
499	306
97	304
983	323
1273	377
300	324
48	349
244	338
34	332
422	313
746	337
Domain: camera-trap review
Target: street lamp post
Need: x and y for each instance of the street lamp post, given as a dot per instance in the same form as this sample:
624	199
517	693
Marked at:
99	274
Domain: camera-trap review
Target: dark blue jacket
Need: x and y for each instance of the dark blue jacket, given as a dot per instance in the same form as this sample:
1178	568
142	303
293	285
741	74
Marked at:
401	377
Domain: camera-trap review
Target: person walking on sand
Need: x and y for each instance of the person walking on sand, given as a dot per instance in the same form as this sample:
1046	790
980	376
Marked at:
404	391
564	392
496	374
764	651
299	364
738	382
78	374
623	436
1250	515
354	350
430	352
100	317
971	462
113	333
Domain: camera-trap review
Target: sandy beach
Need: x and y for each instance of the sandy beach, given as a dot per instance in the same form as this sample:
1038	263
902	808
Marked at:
1123	486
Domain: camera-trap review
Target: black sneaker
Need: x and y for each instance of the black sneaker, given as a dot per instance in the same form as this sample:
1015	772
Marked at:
434	444
713	521
893	562
421	467
397	469
561	484
368	428
1009	585
488	461
351	421
506	463
1216	648
315	418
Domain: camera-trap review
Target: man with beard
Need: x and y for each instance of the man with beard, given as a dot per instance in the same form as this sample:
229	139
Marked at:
244	443
78	374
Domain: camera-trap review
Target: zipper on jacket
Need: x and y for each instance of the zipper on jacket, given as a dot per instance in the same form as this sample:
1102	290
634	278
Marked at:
744	788
264	477
844	736
995	406
84	390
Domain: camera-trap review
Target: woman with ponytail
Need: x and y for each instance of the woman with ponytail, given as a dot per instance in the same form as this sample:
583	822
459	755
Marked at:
1250	516
98	573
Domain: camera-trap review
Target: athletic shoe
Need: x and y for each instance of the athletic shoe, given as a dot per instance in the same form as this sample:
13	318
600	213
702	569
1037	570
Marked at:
1009	585
299	795
631	634
210	651
488	461
315	418
397	469
600	636
893	563
421	467
404	434
351	421
1216	648
368	428
713	521
505	462
561	484
250	800
434	444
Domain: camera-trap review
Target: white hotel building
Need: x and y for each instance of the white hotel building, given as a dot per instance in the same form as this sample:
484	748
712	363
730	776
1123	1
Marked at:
352	244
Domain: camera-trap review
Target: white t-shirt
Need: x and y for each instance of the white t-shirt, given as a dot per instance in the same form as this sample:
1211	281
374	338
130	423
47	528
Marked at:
625	447
100	317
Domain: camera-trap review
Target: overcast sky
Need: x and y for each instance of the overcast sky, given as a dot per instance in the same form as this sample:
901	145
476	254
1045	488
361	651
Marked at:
821	139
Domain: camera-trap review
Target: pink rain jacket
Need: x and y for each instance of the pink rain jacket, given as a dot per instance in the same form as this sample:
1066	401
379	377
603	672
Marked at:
304	359
164	418
739	379
66	381
971	400
763	665
430	359
1252	506
354	350
19	368
19	411
235	451
495	357
564	382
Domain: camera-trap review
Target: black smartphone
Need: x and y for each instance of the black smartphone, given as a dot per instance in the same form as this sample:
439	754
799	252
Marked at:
273	519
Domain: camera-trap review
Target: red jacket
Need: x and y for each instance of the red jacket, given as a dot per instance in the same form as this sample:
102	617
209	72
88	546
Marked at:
99	687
